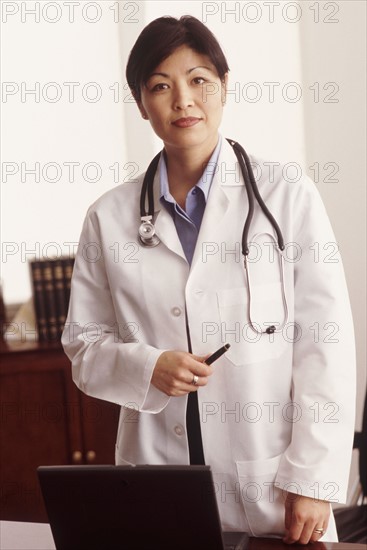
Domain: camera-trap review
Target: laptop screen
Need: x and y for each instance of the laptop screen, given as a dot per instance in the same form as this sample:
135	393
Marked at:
131	507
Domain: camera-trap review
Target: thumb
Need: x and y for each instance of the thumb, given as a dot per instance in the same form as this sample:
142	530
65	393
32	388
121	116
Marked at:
201	358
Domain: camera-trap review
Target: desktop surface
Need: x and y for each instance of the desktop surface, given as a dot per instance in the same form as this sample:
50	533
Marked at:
16	535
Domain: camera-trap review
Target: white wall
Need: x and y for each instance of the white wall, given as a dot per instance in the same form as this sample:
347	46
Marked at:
336	132
61	132
334	55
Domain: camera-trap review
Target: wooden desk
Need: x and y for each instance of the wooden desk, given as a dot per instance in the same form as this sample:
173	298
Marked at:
37	536
277	544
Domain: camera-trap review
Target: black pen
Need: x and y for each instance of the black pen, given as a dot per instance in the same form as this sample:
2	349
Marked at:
217	354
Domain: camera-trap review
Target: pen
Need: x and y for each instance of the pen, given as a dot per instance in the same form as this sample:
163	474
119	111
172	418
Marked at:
217	354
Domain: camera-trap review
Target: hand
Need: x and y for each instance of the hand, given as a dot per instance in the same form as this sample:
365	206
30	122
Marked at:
174	371
302	516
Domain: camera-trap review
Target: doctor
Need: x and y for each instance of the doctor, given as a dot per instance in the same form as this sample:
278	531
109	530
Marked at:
274	416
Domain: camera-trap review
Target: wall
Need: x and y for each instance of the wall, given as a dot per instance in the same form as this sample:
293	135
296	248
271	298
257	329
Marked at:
334	55
55	127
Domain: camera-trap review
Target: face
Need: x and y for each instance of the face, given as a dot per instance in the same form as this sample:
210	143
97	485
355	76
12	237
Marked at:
183	100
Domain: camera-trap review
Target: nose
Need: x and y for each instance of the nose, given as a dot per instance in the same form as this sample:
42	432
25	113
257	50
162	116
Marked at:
183	97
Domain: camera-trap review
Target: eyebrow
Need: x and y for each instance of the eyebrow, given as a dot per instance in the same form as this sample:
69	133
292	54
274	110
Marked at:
187	72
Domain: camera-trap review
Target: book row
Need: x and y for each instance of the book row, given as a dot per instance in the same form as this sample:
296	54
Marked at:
51	293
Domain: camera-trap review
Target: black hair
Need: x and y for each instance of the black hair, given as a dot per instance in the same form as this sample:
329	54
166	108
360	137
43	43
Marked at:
161	38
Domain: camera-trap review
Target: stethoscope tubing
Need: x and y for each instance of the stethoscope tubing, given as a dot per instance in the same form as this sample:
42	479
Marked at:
147	189
272	328
251	189
148	238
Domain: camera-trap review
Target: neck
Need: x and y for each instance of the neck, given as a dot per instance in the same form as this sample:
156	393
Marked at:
185	167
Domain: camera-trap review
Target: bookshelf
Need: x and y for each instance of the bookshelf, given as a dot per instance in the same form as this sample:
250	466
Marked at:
45	420
51	282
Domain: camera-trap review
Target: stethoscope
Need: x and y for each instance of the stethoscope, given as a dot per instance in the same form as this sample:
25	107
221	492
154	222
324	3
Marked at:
148	238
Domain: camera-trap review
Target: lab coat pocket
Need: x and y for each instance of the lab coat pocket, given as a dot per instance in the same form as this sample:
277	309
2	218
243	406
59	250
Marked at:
261	496
265	308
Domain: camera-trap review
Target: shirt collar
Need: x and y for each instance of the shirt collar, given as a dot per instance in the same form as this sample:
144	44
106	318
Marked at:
204	182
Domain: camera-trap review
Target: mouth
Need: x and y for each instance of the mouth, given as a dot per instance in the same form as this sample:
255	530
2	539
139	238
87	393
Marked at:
186	122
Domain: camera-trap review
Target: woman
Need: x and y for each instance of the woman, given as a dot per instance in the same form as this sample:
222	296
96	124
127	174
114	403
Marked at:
273	417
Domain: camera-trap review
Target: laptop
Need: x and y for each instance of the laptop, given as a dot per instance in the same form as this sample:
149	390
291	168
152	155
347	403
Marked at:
134	508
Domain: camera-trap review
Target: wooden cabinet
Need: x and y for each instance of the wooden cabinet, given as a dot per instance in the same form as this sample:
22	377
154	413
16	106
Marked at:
45	420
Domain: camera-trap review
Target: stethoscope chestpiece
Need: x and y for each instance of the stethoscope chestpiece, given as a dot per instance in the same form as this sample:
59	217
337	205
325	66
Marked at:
146	234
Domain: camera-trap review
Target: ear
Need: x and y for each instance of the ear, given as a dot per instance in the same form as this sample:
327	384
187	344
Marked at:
224	88
143	112
141	108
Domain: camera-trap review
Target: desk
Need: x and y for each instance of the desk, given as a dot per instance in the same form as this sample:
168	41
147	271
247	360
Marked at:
277	544
37	536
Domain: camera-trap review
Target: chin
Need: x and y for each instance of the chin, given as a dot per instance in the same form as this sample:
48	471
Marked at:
191	138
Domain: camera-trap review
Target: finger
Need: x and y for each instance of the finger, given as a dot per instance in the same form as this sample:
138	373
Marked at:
200	358
197	381
200	369
179	389
294	532
307	534
287	518
183	384
316	533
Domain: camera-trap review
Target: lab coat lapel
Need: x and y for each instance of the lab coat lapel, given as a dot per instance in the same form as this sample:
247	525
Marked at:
217	215
164	224
227	175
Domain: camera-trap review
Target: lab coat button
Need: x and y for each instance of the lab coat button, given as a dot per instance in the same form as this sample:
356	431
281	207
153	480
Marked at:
176	311
179	430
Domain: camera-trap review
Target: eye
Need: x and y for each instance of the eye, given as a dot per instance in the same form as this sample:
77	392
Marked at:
199	80
159	87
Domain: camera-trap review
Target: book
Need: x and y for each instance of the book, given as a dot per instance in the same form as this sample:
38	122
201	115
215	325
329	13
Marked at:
68	265
60	294
39	300
51	281
50	300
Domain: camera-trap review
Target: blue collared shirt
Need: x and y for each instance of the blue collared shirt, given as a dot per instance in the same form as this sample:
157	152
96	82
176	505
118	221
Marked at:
188	221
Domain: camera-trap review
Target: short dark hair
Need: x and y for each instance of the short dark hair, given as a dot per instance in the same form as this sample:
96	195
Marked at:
161	38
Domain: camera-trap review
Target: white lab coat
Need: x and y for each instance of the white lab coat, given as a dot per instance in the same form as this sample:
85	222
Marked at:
128	305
